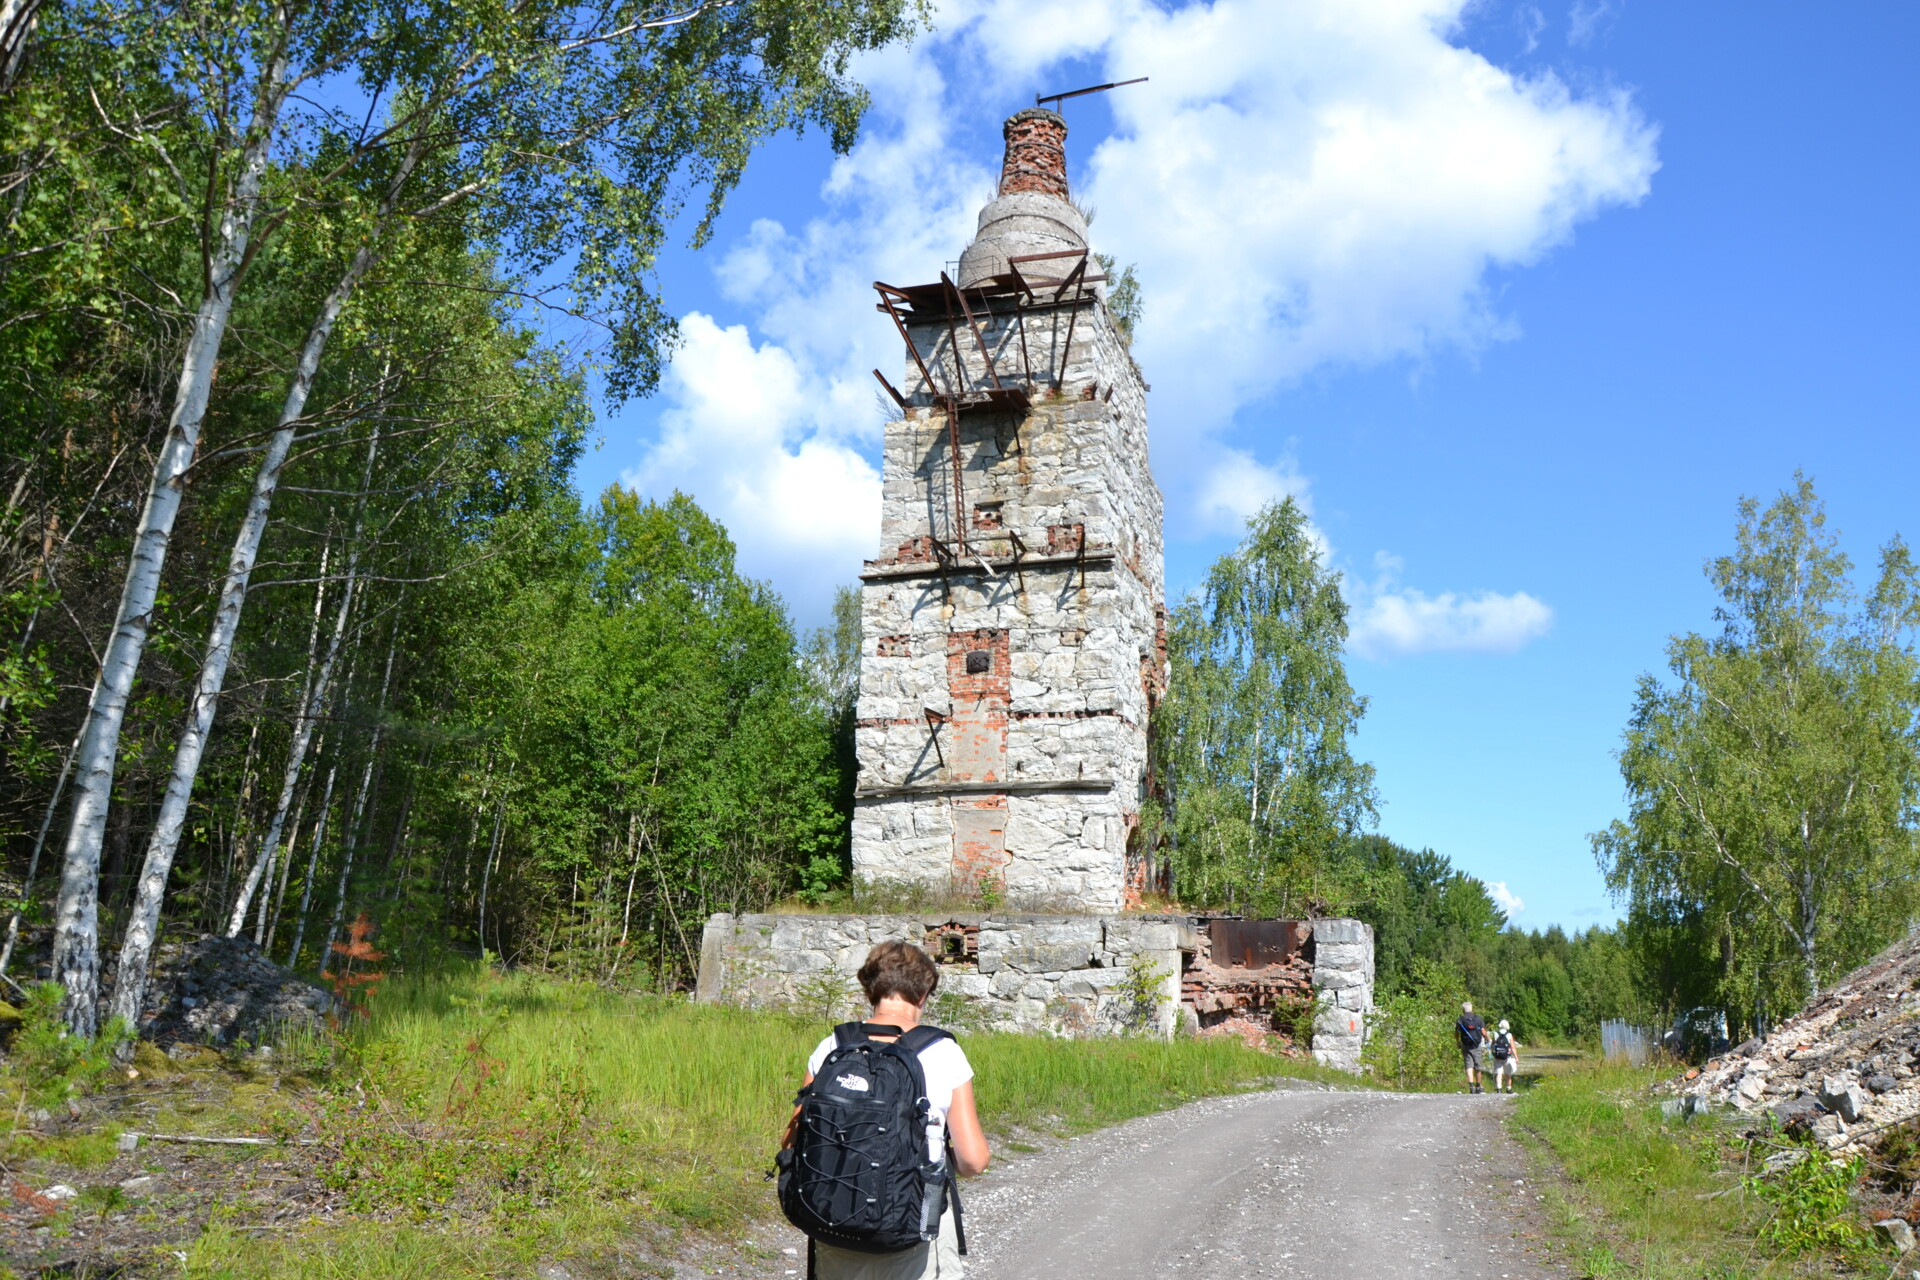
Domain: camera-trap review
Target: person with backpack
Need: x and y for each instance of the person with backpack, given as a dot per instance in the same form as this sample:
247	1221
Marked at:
883	1128
1506	1057
1471	1031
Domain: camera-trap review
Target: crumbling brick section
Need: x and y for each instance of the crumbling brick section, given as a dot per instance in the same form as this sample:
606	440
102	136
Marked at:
1065	538
1036	153
980	682
979	843
893	647
1216	992
954	942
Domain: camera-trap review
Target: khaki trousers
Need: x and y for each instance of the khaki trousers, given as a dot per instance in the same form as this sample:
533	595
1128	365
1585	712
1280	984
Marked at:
939	1260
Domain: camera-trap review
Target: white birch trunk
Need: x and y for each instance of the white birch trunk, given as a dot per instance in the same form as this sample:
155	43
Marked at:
17	21
297	752
76	937
269	916
351	836
313	862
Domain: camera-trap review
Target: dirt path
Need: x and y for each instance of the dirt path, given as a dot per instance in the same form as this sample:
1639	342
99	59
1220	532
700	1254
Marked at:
1285	1184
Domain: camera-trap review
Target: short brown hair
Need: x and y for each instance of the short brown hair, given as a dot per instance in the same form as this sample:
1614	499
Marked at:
899	969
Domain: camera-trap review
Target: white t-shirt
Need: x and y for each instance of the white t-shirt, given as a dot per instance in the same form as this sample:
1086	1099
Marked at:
945	1065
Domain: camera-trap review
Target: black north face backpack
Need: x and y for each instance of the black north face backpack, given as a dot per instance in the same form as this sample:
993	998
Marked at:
857	1174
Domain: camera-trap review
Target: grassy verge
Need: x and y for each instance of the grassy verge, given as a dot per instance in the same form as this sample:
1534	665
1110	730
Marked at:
1646	1196
478	1125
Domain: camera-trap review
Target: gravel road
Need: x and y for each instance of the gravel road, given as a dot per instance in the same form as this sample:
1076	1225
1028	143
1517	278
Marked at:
1296	1183
1293	1183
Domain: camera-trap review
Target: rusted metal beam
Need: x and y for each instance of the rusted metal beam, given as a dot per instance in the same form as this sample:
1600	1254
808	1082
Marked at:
974	325
959	489
897	397
1073	317
906	337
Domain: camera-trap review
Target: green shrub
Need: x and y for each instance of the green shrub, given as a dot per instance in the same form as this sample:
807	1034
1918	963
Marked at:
1410	1039
1812	1201
50	1065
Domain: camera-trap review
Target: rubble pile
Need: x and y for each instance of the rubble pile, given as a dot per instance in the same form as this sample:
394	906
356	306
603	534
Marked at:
1844	1068
223	991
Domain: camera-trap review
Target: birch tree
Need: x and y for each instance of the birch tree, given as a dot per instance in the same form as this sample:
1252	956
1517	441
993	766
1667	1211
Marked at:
554	133
1258	787
1773	785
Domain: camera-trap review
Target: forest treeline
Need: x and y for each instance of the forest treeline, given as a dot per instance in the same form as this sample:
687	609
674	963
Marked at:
303	309
304	312
1772	834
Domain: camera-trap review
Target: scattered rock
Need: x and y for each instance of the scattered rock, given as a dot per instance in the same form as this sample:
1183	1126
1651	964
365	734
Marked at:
127	1142
59	1191
552	1271
1896	1232
139	1185
1880	1083
1796	1114
1848	1101
1674	1108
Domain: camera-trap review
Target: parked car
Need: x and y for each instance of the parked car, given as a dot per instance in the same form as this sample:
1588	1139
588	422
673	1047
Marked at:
1697	1034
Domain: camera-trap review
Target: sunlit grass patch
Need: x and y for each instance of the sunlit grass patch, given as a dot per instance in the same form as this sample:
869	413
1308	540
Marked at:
1653	1197
485	1122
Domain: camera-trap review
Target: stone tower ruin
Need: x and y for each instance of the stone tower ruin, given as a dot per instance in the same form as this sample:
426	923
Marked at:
1013	629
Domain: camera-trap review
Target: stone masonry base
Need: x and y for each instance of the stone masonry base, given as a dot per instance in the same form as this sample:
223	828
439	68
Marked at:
1064	975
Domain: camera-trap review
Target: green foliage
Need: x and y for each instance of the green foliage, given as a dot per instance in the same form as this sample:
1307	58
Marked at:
101	1200
1552	986
829	996
1250	744
1410	1040
1124	302
959	1013
1143	995
1773	786
819	880
1812	1201
51	1066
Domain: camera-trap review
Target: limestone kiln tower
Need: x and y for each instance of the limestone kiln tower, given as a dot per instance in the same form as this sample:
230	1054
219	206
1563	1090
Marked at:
1013	628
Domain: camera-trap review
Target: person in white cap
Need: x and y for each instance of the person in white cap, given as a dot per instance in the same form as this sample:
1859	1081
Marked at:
1506	1056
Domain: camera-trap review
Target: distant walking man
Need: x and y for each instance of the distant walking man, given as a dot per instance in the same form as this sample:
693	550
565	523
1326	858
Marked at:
1472	1033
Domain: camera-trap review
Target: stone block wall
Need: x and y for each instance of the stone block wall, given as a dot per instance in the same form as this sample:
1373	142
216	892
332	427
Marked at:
1062	974
1343	987
1065	975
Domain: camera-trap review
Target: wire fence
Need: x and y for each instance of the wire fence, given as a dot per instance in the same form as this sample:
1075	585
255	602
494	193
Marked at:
1623	1042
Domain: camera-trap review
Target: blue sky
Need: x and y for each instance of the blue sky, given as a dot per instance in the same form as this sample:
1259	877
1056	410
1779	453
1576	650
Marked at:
1519	298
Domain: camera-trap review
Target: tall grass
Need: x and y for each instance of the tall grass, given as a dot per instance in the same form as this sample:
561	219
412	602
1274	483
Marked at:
1650	1197
668	1113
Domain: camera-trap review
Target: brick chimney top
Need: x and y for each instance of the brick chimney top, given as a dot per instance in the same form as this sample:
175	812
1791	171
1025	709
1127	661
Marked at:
1036	153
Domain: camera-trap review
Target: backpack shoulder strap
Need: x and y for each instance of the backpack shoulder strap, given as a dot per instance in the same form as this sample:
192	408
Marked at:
849	1033
921	1038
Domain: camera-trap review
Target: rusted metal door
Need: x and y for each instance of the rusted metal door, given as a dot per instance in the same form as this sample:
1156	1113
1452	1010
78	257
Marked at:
1254	944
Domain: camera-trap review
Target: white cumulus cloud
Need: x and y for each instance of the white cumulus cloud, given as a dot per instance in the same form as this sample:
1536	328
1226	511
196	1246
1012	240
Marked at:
1238	485
1389	620
1302	186
1407	621
1507	900
742	435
